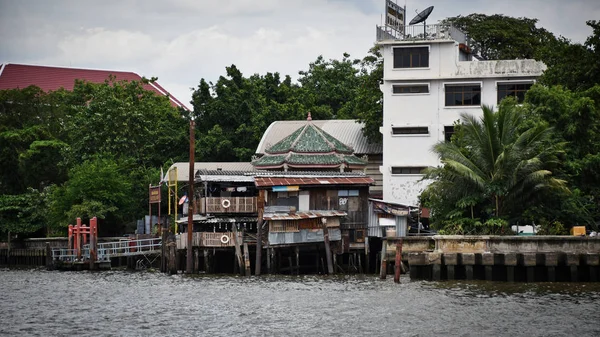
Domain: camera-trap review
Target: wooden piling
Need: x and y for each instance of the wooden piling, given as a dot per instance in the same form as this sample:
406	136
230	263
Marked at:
397	266
172	258
297	260
206	262
269	257
360	268
383	268
49	262
163	249
261	207
327	246
196	261
238	249
247	260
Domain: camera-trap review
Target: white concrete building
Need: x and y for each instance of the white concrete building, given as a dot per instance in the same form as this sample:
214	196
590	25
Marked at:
428	81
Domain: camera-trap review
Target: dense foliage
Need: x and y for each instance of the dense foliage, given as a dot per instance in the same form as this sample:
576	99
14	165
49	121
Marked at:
94	150
468	197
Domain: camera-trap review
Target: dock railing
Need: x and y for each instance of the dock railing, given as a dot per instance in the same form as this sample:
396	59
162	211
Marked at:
106	250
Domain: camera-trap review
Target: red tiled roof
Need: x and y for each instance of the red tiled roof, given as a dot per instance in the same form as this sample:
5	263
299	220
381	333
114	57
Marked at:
289	181
47	78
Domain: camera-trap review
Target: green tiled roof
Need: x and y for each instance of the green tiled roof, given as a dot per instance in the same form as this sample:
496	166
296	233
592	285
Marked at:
354	160
271	160
285	144
339	146
309	145
317	159
311	141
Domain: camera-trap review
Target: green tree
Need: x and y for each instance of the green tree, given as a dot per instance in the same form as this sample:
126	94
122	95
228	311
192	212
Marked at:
121	118
31	148
573	65
500	37
367	104
23	213
232	114
496	166
97	187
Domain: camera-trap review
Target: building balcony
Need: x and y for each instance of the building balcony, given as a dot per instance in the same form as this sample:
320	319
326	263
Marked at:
420	33
216	205
209	239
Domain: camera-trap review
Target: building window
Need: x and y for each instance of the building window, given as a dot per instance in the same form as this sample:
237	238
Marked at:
411	57
513	89
410	89
448	132
410	130
459	95
407	169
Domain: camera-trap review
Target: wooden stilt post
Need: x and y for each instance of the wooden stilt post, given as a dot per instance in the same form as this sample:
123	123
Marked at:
206	262
172	257
238	249
317	259
383	268
360	268
368	270
269	256
398	265
247	260
163	250
335	262
93	242
196	261
49	262
190	227
327	247
297	260
261	208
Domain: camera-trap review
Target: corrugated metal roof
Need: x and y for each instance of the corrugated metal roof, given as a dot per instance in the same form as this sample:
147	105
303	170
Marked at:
303	215
49	78
348	131
293	181
183	168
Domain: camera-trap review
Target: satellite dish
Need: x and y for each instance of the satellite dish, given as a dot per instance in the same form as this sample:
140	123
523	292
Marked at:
421	17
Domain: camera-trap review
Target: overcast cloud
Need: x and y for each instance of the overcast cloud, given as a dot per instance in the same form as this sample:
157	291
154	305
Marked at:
182	41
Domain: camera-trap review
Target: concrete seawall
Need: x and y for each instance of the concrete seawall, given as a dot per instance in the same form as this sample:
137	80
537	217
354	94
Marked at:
507	258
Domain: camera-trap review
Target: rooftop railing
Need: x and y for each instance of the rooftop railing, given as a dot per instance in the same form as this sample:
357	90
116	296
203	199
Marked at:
421	33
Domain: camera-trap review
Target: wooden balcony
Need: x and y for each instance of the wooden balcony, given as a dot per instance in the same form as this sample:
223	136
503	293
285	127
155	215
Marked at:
208	239
216	205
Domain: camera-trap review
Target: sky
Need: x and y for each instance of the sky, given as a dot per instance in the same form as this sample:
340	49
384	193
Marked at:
182	41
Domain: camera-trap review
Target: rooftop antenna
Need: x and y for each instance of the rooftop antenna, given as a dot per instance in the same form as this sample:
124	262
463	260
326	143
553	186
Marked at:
421	17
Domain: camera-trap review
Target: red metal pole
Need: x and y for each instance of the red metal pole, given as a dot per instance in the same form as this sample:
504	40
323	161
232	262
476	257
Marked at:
78	238
149	209
70	244
84	231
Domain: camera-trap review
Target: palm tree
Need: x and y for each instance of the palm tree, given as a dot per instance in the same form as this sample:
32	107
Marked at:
496	160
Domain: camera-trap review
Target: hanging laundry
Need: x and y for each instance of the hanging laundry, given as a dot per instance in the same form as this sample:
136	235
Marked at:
242	189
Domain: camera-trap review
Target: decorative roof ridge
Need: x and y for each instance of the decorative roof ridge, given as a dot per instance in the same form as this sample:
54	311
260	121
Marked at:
299	136
320	132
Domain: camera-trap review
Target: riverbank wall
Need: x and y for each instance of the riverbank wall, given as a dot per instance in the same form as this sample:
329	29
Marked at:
507	258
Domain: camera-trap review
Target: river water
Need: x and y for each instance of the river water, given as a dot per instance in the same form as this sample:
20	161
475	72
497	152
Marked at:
119	303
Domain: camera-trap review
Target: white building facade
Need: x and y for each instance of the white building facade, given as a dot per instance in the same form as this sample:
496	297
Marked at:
428	81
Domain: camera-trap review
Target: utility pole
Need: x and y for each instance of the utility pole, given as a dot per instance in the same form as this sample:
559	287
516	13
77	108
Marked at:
190	262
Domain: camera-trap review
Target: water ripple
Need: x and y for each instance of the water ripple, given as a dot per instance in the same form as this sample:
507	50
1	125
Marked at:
119	303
